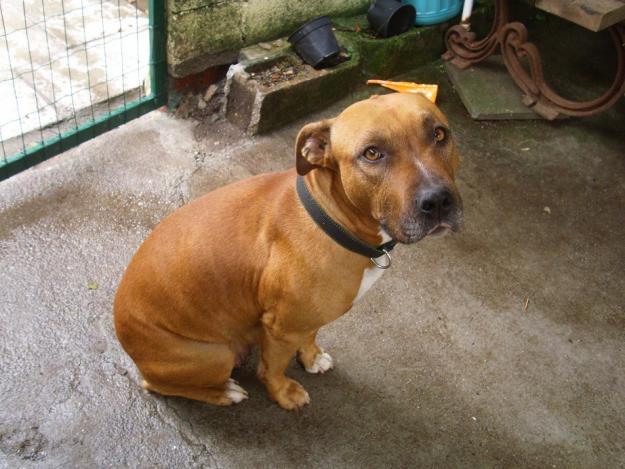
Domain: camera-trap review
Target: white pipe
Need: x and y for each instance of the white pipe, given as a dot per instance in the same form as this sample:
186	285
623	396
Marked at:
466	12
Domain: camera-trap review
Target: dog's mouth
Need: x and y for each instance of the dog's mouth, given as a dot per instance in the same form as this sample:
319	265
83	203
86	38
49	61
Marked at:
411	230
440	230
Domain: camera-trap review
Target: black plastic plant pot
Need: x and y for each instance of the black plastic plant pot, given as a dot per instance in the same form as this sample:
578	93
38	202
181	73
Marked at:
315	42
390	17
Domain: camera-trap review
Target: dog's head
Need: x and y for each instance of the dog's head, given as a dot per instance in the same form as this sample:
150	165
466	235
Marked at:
396	159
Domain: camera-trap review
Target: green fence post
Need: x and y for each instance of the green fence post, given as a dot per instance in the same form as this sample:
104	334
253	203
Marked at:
158	42
93	127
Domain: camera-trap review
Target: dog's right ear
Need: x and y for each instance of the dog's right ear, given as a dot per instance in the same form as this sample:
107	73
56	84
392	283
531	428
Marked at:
312	149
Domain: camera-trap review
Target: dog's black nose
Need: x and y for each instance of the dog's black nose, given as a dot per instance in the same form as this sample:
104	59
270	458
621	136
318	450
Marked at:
435	201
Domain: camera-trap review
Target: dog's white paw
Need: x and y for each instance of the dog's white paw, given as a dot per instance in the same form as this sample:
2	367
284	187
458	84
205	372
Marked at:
234	392
323	362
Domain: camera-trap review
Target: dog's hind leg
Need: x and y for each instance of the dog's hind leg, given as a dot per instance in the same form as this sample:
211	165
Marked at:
197	370
228	394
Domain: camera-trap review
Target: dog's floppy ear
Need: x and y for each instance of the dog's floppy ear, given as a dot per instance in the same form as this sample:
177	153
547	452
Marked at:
312	149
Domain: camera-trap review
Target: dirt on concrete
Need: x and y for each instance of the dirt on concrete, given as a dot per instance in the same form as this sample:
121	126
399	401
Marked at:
284	70
501	346
204	105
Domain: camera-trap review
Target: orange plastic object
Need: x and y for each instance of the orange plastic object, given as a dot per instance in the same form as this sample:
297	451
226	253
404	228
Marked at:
430	91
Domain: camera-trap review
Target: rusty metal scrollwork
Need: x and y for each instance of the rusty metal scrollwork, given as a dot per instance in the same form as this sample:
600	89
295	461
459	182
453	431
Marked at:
462	48
511	39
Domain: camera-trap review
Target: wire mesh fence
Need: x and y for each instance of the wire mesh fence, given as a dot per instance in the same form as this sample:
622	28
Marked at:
70	69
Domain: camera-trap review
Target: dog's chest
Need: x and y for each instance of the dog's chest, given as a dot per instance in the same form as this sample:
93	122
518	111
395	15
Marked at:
369	277
371	274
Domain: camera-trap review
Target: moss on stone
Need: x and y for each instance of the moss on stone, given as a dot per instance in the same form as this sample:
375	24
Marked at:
259	110
192	33
204	33
385	57
256	53
291	102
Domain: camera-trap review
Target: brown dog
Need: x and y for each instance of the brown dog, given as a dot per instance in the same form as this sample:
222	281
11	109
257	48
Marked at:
246	264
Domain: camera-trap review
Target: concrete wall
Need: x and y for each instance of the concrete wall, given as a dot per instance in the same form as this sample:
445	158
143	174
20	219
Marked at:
204	33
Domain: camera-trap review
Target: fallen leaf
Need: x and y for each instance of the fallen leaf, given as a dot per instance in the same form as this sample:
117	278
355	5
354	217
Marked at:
92	286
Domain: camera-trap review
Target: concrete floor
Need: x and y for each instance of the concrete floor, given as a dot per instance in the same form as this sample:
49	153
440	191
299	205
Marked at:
501	346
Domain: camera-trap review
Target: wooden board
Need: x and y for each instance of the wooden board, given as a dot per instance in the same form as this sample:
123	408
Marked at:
591	14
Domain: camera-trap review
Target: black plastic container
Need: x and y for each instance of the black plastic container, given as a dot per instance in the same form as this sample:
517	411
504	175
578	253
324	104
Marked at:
390	17
315	42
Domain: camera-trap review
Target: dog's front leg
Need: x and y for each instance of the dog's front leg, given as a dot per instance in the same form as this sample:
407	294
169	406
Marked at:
313	358
277	349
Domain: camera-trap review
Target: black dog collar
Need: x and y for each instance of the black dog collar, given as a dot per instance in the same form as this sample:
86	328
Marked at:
337	232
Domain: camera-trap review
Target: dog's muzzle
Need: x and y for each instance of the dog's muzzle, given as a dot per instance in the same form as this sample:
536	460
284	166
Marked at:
436	211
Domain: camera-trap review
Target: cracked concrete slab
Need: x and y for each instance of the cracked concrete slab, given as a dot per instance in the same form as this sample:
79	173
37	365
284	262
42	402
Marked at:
501	346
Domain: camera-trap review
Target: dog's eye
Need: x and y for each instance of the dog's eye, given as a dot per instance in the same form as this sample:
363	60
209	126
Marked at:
440	134
372	154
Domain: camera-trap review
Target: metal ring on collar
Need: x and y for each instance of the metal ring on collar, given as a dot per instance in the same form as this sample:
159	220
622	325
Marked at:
382	266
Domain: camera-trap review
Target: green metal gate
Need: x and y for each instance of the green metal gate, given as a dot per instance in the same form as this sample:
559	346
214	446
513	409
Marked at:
73	69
